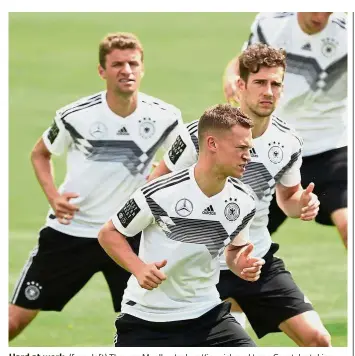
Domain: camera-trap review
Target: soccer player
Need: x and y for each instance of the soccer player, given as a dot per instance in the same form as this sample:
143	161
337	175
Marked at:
188	218
274	302
314	102
111	138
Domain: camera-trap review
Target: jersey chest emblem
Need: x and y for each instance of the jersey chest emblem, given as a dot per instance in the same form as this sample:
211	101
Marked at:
232	210
329	47
275	152
146	127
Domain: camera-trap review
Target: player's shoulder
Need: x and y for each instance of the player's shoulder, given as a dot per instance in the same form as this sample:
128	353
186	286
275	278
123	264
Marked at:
238	185
273	18
282	128
159	106
171	180
192	127
80	105
338	22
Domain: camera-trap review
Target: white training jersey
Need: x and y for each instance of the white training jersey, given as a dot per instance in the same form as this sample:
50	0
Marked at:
188	229
314	101
276	157
108	157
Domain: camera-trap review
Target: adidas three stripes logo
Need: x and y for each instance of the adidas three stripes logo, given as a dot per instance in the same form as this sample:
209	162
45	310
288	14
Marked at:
209	210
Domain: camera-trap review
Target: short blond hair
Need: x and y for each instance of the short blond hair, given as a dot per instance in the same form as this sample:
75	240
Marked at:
222	117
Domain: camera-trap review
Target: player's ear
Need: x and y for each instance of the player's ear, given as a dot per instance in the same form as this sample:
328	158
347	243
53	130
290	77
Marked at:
241	85
211	143
102	71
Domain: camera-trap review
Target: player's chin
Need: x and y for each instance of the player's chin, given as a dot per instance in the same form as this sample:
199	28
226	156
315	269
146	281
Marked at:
266	111
128	89
238	172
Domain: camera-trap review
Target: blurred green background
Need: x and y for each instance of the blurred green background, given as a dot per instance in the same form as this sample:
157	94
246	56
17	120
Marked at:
52	62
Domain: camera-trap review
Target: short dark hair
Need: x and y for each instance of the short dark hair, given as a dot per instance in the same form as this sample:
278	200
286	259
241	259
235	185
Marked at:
118	40
222	117
260	55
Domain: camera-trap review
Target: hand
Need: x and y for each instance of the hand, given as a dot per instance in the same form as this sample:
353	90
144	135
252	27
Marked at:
63	210
150	276
230	90
249	267
309	204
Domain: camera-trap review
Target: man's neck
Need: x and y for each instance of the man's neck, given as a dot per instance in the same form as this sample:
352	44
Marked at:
260	123
208	180
122	105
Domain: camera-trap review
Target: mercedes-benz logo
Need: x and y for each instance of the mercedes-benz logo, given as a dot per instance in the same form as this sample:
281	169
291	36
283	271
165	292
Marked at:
184	207
98	130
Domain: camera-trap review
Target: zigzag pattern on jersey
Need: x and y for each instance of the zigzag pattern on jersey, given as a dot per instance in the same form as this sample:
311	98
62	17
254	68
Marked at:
203	232
258	177
293	159
161	183
316	77
192	128
126	152
244	223
308	67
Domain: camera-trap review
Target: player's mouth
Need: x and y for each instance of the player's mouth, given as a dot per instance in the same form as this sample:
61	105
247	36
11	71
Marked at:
242	167
266	102
316	24
125	81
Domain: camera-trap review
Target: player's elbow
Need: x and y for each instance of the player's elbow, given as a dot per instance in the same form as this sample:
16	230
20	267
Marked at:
104	234
39	152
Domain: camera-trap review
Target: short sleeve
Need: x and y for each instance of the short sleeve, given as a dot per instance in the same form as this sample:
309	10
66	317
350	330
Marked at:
133	216
173	134
254	36
57	138
183	153
292	175
243	237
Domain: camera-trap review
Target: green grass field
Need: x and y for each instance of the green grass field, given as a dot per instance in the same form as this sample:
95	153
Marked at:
52	61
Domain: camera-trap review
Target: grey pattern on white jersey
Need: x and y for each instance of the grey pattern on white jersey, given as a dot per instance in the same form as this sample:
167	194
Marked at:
315	93
108	156
276	157
188	229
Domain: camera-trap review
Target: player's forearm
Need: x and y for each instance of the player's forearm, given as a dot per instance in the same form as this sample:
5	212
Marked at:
44	172
160	170
117	247
231	253
291	206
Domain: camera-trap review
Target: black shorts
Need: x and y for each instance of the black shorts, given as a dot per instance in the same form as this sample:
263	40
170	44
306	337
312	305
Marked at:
60	266
329	172
214	328
269	301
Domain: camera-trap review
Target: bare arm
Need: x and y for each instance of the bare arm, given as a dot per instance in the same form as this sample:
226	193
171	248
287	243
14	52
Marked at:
116	246
159	170
41	161
231	75
297	202
240	262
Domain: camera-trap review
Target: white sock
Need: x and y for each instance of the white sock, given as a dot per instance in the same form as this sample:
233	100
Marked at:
240	317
